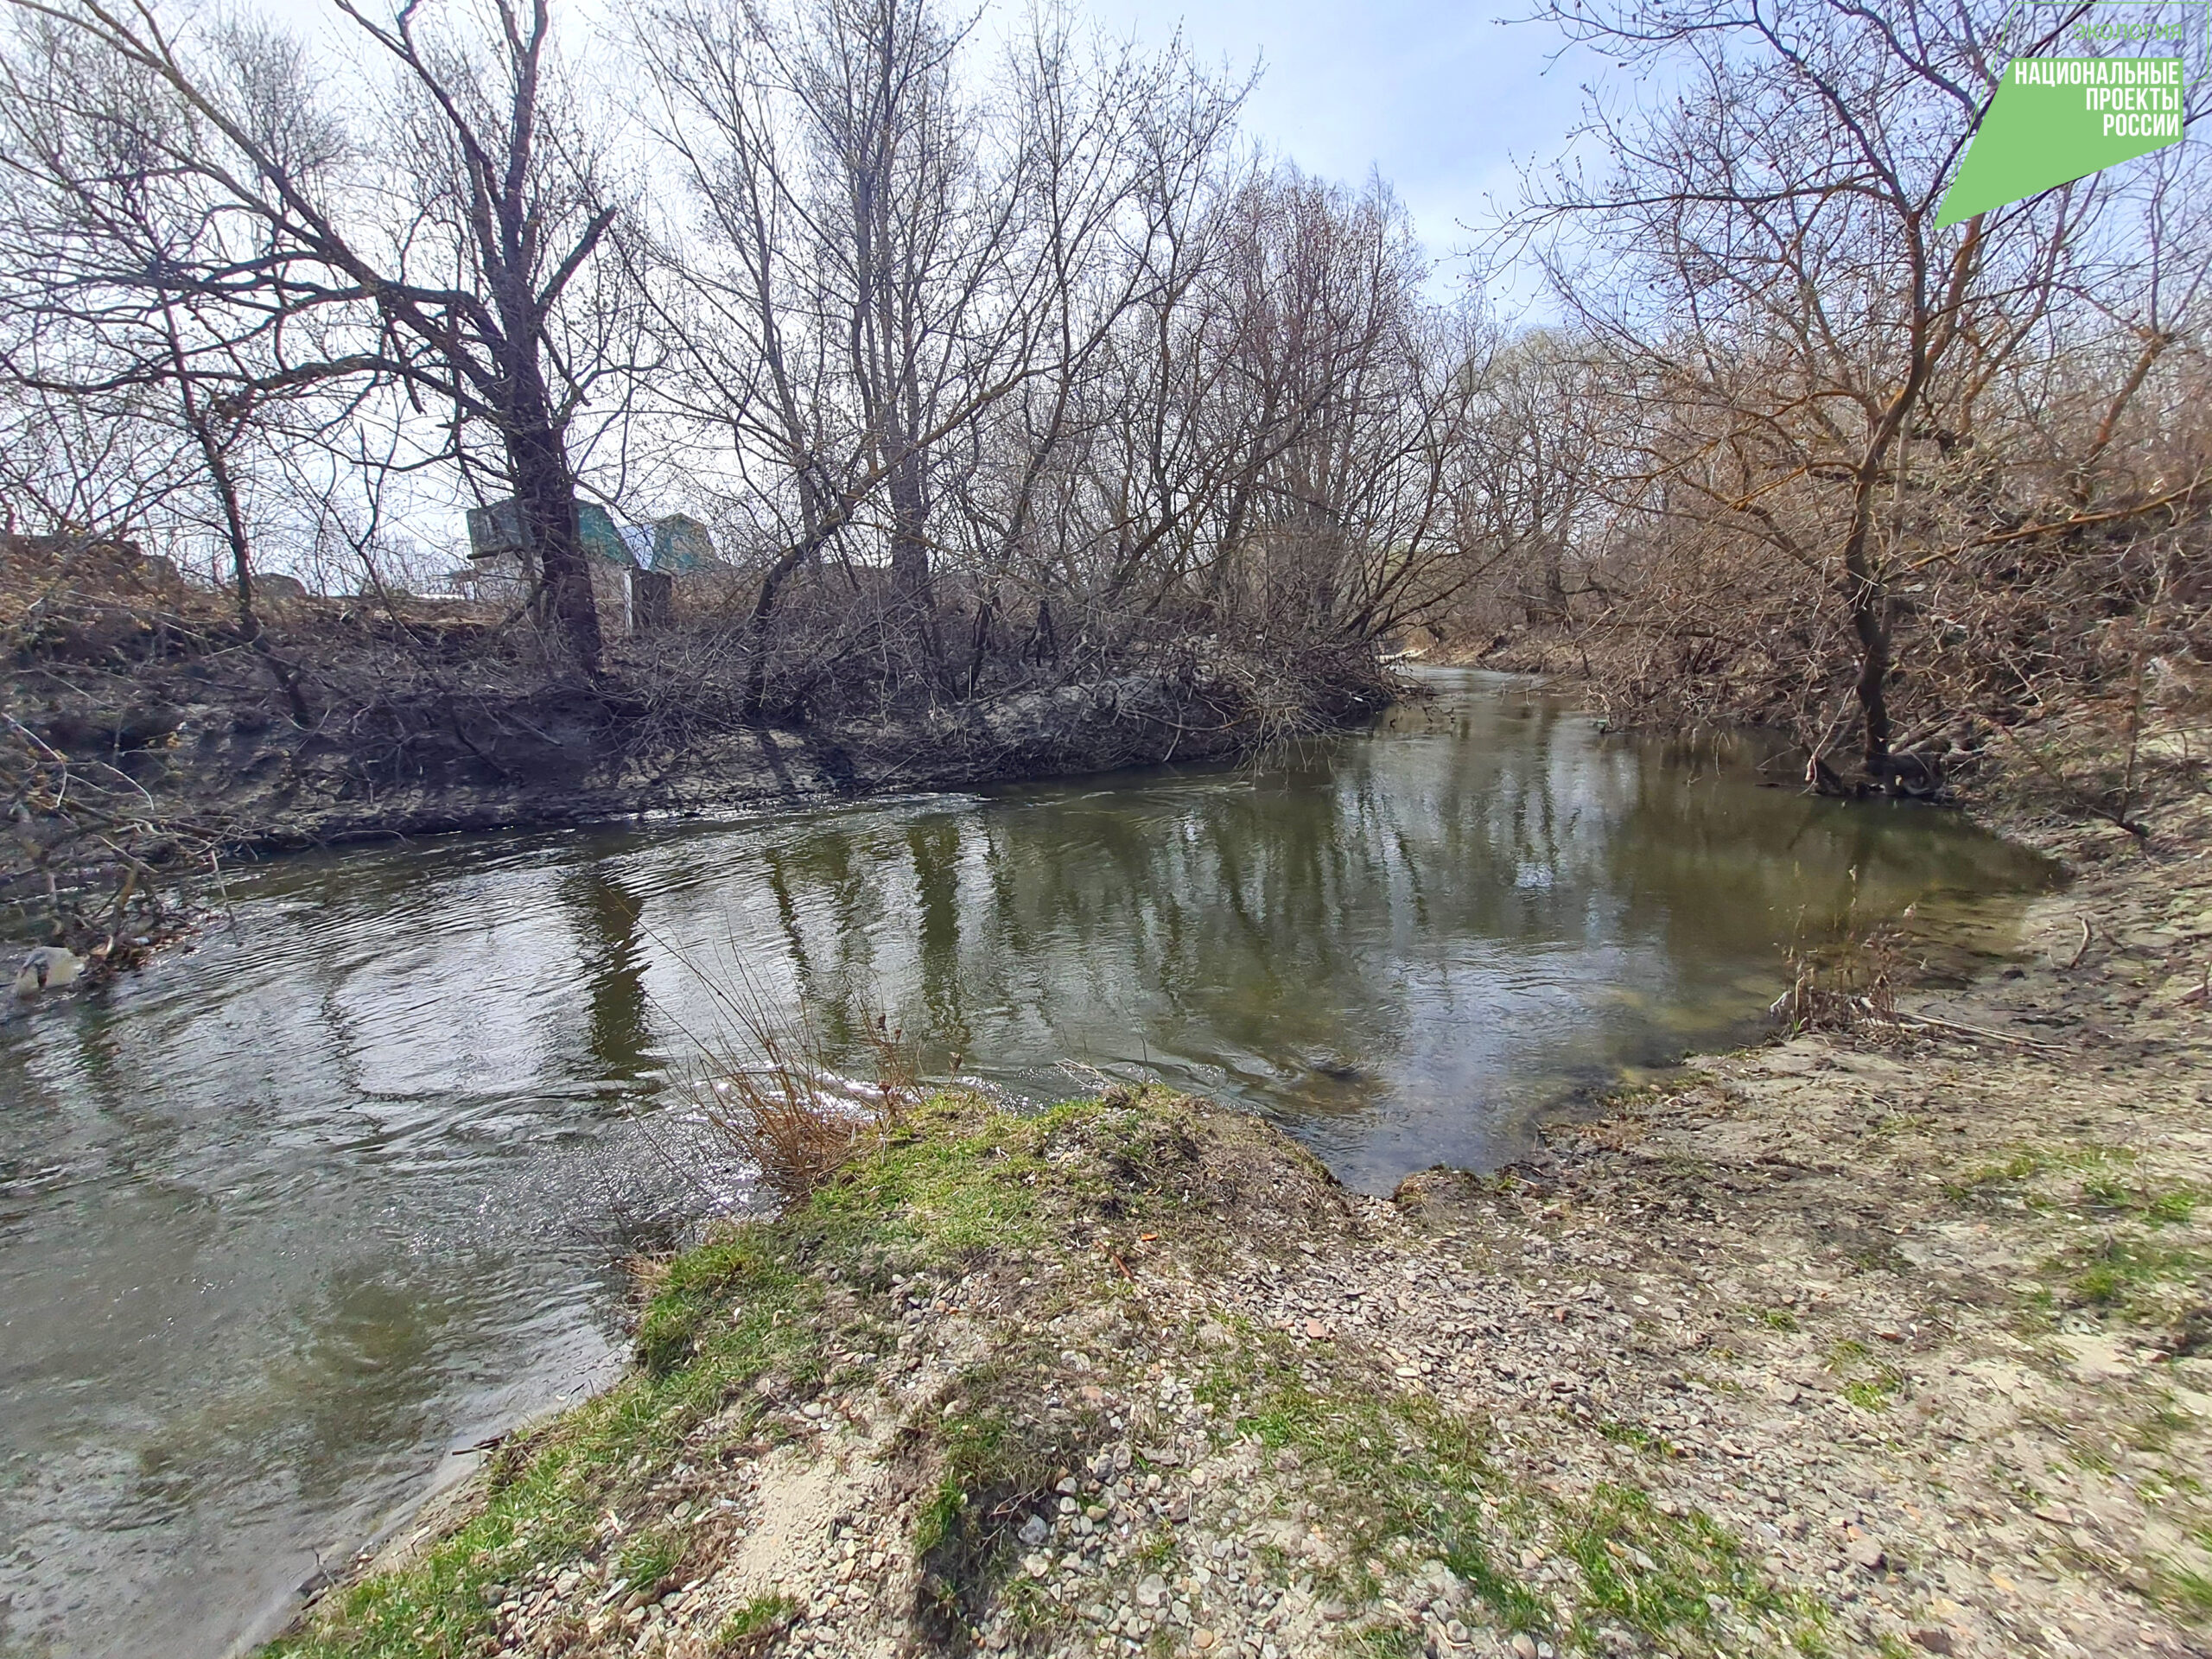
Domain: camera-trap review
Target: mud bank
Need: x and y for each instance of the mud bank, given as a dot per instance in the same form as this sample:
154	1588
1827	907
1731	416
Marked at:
1889	1341
138	775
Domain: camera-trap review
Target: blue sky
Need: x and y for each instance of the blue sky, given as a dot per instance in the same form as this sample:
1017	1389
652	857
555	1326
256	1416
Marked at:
1442	100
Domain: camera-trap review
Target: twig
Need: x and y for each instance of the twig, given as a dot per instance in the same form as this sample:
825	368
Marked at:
2082	950
1957	1029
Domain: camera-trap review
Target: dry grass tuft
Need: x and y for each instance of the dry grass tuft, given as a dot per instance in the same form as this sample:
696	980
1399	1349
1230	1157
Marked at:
1850	983
773	1094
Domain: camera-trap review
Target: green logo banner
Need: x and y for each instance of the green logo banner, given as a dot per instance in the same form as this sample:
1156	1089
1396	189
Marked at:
2057	119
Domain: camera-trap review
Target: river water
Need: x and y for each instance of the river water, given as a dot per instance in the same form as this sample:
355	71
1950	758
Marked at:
287	1220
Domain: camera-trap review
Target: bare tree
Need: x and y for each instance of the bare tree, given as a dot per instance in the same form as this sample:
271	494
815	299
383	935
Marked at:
896	299
442	253
1804	338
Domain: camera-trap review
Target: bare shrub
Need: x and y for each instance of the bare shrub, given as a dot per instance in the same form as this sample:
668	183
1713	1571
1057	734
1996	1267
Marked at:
1843	985
1907	491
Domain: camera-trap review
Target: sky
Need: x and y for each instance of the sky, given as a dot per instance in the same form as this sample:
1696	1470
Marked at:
1443	100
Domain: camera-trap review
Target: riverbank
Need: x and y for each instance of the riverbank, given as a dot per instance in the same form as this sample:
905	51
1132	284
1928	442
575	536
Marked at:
1890	1340
144	747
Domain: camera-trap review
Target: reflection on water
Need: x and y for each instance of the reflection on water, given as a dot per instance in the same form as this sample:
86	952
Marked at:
284	1220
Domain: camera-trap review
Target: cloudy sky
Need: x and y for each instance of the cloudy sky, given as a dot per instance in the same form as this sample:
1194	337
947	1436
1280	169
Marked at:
1444	100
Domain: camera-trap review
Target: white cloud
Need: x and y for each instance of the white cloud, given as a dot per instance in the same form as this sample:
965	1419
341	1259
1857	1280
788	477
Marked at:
1444	101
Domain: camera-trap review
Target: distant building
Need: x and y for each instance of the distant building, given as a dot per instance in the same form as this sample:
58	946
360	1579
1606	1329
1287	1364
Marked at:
682	545
639	572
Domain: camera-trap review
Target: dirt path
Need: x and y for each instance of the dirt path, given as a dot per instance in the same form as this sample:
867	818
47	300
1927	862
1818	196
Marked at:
1887	1342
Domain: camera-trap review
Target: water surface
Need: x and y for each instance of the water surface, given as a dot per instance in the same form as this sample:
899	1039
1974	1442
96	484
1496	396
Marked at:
285	1220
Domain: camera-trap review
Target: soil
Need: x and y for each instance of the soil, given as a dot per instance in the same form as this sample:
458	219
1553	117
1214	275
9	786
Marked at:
1891	1339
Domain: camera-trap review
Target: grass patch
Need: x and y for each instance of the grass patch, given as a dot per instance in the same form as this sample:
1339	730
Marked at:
2154	1207
1875	1385
995	1468
753	1628
749	1324
1635	1435
2134	1276
1397	1474
2022	1165
2183	1591
1874	1393
744	1330
1663	1576
2101	1180
649	1561
1392	1643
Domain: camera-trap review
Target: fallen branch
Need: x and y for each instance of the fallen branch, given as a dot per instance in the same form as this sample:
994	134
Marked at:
1925	1022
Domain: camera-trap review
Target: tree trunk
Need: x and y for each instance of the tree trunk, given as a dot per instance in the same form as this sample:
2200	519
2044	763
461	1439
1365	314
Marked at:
1869	601
1554	580
763	612
910	547
545	491
234	532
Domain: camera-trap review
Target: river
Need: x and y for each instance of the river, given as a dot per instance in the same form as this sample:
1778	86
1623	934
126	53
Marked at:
288	1218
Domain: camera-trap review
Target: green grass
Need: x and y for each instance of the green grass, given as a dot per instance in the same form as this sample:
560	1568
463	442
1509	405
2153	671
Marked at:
1636	1435
1398	1472
1391	1644
954	1183
1659	1574
1874	1393
2155	1206
2021	1166
546	1495
2183	1591
649	1561
751	1627
2131	1275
